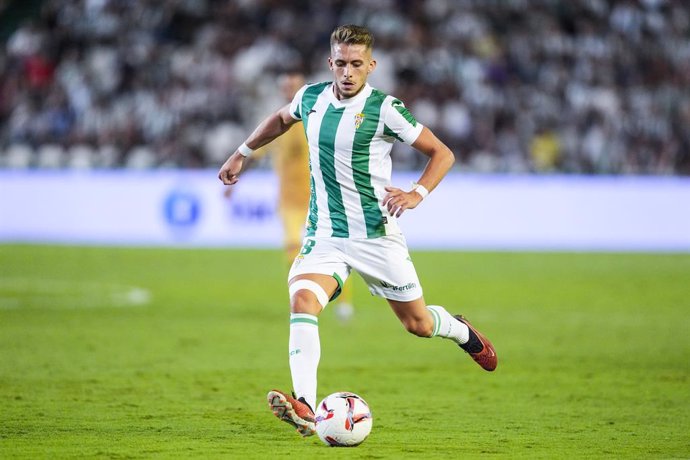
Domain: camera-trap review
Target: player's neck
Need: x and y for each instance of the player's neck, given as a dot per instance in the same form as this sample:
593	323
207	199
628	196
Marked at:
339	96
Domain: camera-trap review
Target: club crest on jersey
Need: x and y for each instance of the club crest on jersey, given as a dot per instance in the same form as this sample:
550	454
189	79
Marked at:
359	118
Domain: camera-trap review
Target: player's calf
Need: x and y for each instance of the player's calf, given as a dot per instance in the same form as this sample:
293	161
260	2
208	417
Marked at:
420	328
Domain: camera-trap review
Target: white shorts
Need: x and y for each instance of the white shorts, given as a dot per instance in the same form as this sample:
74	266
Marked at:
384	263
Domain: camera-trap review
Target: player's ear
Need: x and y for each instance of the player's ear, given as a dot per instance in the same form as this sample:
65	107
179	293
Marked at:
372	66
330	63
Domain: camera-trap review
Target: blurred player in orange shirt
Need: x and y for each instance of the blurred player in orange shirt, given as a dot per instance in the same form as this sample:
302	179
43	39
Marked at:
291	164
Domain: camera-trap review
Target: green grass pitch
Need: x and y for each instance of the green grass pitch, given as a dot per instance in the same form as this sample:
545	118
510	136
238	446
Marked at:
141	353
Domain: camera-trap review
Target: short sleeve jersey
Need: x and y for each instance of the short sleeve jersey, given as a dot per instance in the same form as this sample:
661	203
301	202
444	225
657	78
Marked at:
350	142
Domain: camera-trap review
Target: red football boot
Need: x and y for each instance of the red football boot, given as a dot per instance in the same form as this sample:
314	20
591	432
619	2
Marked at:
479	347
296	412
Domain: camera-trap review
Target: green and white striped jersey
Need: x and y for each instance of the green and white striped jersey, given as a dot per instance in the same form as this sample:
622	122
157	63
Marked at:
350	141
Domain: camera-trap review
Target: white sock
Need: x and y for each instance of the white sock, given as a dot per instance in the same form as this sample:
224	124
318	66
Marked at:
445	325
305	352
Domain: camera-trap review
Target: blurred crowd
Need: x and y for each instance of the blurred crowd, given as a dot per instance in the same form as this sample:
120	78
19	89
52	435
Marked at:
592	86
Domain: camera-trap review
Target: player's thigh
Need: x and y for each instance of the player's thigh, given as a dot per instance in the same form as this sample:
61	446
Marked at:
321	260
385	265
311	292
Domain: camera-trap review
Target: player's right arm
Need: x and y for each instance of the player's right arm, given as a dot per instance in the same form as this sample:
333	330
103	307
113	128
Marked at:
273	126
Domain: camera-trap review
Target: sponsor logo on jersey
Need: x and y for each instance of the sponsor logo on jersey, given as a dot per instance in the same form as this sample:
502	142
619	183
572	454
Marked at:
406	287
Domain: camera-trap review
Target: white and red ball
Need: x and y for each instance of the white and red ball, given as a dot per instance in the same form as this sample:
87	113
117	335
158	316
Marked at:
343	420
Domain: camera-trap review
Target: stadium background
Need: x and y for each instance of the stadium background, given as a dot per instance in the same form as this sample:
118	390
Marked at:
584	93
512	86
570	123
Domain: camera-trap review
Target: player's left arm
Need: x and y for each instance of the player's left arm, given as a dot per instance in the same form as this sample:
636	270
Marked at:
441	159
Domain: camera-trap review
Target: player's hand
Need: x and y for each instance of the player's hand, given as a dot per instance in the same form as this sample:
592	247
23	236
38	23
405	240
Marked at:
230	171
397	200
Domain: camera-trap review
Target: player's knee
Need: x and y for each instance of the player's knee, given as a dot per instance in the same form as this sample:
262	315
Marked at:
304	301
307	296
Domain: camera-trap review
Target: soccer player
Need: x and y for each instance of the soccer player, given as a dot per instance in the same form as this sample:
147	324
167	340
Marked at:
353	208
291	165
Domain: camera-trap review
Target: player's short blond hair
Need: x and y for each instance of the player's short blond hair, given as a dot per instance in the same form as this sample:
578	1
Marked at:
351	34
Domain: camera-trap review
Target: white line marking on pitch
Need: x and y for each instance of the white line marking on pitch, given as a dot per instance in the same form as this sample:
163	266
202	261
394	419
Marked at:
21	292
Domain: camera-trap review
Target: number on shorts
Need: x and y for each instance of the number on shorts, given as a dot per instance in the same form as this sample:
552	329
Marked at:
308	246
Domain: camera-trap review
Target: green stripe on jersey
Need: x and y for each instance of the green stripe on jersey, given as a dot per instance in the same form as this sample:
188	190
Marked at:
389	132
309	99
373	217
400	107
329	128
313	217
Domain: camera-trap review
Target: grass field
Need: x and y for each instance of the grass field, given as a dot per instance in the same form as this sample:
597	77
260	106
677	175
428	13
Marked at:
140	353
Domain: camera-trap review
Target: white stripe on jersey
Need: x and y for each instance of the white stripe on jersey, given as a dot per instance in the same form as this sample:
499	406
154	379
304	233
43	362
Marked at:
313	128
375	178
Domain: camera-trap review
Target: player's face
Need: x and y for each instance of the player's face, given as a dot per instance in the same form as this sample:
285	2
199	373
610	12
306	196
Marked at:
351	65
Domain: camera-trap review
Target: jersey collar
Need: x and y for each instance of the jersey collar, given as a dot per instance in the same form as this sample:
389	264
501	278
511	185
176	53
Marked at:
362	95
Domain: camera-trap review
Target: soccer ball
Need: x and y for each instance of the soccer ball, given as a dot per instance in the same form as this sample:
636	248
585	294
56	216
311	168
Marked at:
343	420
